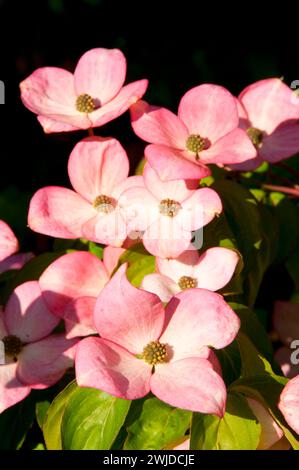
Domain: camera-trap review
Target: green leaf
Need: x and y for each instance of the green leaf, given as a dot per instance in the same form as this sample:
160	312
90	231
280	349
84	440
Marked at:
286	212
237	430
157	426
267	388
61	244
53	418
230	362
140	167
15	422
140	263
92	420
96	249
253	363
30	272
252	327
41	409
251	225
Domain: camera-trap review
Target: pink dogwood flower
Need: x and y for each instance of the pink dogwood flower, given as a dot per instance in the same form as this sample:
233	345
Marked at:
272	436
286	325
168	211
9	246
98	170
212	270
34	358
144	348
269	112
71	284
289	403
205	131
91	97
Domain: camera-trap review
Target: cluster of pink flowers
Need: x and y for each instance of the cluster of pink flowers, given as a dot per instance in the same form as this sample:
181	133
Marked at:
125	341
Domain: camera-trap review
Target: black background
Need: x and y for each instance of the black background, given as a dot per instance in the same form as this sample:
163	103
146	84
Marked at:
175	45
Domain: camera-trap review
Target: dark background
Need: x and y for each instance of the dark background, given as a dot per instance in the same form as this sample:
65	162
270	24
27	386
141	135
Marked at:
175	45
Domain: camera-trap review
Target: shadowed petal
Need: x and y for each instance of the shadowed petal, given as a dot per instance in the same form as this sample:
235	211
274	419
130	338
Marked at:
59	212
104	365
233	148
289	403
162	286
183	265
282	143
172	164
215	268
158	125
78	317
11	389
43	363
271	433
73	275
178	190
127	96
197	318
190	384
126	315
16	261
26	314
8	241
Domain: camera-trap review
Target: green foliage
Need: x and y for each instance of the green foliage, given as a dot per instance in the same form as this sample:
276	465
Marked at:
237	430
52	420
83	418
92	420
140	263
156	426
31	271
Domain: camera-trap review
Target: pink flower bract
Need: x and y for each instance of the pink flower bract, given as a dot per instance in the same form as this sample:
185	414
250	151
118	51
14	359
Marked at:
168	211
91	97
34	358
9	245
135	330
211	270
71	284
289	403
98	170
205	131
269	112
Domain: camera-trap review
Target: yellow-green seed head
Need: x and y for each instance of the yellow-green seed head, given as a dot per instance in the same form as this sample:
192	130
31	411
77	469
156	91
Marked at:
256	136
169	207
104	204
154	353
187	282
195	143
85	104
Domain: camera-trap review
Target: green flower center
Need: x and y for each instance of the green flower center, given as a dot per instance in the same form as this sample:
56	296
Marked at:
169	207
187	282
12	346
104	204
85	104
195	143
256	136
154	353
